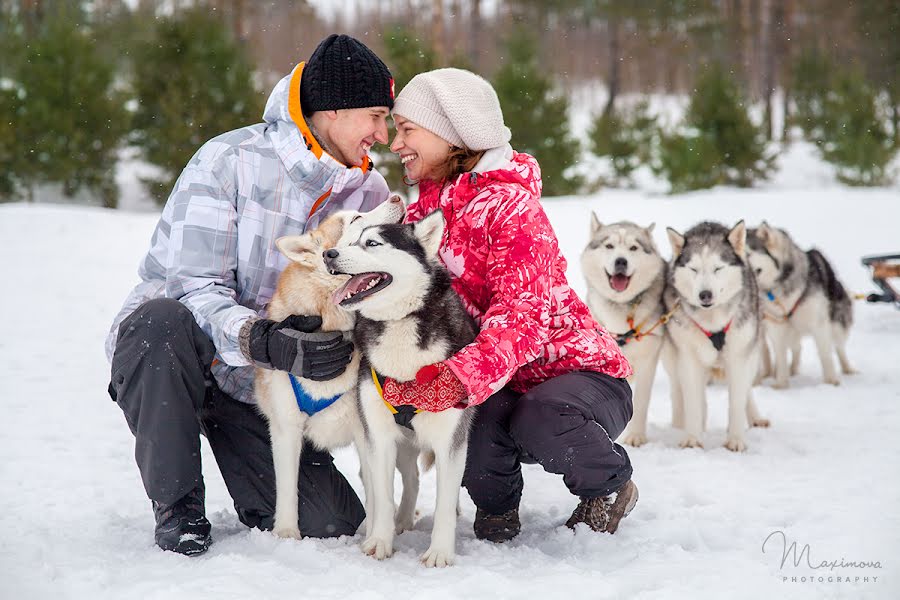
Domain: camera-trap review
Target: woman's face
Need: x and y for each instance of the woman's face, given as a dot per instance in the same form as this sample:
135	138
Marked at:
420	150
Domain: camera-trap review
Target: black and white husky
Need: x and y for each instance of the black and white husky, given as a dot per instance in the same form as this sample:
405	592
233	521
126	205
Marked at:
801	296
324	412
715	324
408	317
625	277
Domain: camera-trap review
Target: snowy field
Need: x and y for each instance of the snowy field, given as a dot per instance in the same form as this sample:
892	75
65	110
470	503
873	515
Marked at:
76	524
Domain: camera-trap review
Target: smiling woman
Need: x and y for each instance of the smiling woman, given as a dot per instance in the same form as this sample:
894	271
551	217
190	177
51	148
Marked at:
549	378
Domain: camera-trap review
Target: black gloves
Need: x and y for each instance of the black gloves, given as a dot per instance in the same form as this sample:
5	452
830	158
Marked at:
293	345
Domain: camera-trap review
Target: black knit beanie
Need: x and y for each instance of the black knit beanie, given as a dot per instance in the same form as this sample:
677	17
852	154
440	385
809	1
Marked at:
344	73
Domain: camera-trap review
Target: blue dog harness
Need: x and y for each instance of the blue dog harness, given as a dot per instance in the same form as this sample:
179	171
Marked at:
307	403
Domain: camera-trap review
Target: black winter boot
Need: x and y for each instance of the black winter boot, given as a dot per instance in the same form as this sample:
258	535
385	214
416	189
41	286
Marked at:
497	528
603	513
182	527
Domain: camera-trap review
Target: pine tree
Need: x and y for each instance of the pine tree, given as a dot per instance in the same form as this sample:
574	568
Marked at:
721	145
625	136
855	138
12	149
837	111
68	122
192	82
537	117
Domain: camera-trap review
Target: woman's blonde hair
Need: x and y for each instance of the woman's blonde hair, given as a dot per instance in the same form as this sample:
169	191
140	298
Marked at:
459	161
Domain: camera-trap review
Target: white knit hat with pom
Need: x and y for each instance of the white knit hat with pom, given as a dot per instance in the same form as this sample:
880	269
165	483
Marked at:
456	105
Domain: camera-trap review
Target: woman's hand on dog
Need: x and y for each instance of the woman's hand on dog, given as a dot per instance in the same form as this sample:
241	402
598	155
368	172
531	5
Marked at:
295	346
434	389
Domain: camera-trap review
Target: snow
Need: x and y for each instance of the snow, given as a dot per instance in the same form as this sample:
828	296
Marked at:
76	522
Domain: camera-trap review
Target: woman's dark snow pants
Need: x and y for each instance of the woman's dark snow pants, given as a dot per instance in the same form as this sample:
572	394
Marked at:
566	424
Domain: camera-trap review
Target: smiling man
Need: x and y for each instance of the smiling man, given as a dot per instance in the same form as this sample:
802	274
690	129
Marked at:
184	346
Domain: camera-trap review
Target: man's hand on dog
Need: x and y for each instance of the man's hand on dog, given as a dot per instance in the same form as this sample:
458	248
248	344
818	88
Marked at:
295	346
434	389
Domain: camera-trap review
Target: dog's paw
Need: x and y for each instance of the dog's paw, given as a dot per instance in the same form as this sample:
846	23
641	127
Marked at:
850	371
736	444
378	548
403	523
759	422
781	384
634	438
287	532
437	557
690	441
833	380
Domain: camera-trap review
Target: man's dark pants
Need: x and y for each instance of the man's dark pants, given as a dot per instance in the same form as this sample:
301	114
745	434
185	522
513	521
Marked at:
566	424
162	382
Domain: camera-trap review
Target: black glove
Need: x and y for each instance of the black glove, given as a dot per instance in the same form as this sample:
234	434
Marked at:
293	345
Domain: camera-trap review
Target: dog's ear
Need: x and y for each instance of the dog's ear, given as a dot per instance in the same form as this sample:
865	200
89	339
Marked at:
596	225
766	234
429	232
302	249
676	240
737	237
649	228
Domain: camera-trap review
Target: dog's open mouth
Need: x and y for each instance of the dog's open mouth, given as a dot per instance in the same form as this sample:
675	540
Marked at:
619	282
360	287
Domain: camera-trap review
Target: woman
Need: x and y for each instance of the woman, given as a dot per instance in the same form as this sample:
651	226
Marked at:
549	381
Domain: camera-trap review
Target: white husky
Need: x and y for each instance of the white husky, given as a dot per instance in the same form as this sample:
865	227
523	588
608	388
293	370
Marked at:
408	317
715	324
305	287
625	279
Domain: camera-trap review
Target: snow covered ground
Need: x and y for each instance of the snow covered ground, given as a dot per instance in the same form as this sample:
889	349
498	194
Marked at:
76	524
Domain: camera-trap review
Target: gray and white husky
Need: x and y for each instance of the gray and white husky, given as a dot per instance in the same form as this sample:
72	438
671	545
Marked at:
715	325
305	287
408	317
626	277
801	296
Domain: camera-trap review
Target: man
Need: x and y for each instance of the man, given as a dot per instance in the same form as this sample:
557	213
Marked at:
184	345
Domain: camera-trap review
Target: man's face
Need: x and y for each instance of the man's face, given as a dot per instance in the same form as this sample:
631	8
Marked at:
355	130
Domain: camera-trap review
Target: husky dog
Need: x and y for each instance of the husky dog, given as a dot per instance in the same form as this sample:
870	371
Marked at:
715	323
408	317
305	287
625	280
801	296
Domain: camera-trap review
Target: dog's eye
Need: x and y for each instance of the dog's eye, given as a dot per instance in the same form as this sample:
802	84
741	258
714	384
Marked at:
372	243
758	271
693	269
609	246
633	248
356	218
717	269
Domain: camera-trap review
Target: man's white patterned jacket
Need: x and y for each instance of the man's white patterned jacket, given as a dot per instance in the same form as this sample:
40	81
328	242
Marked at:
214	246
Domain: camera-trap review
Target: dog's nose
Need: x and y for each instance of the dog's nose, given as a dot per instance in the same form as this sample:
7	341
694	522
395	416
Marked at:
621	265
332	253
706	296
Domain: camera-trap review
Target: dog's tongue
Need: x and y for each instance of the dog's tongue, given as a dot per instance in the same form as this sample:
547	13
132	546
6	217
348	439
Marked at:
619	282
356	284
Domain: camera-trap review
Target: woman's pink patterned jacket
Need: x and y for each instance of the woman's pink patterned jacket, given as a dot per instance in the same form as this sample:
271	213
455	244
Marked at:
506	265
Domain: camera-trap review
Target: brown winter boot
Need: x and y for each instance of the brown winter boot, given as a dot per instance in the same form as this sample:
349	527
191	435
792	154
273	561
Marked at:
604	513
497	528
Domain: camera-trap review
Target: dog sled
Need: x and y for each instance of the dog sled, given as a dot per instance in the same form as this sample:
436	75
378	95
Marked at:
884	267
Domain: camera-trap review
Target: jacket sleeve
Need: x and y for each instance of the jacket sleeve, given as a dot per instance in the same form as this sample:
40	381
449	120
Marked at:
515	326
201	265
